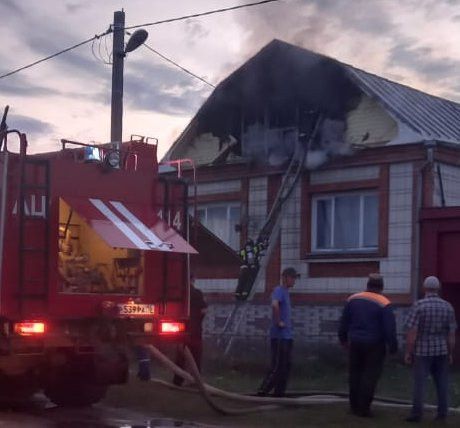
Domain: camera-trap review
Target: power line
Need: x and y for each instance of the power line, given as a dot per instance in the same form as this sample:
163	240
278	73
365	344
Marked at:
177	65
55	54
196	15
211	12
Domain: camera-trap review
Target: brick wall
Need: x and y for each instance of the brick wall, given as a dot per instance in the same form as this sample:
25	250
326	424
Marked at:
312	323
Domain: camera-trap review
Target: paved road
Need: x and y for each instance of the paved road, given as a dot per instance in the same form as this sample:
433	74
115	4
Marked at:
40	414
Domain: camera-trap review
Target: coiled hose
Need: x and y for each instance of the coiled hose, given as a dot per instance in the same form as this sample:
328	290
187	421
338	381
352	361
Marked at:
297	399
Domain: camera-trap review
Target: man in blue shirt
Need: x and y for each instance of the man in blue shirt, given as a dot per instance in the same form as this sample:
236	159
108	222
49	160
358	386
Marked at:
281	337
367	327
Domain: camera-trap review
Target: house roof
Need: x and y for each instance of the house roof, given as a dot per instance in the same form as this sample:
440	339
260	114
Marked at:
427	116
432	117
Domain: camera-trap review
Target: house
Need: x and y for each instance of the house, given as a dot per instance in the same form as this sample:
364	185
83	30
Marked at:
375	157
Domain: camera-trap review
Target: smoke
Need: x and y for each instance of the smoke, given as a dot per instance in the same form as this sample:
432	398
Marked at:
366	34
331	27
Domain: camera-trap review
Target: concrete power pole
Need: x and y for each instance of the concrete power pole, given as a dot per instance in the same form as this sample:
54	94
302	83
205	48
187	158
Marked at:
116	124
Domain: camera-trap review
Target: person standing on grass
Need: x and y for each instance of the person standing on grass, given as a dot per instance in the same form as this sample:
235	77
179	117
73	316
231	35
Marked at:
430	343
280	337
367	326
198	308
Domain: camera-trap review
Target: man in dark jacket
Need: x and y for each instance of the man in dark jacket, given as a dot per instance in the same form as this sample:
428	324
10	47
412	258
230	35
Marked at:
366	327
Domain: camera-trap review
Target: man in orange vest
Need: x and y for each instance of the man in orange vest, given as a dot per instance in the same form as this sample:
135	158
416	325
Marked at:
366	328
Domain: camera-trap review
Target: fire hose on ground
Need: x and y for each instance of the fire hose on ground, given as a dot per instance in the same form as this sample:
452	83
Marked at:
304	398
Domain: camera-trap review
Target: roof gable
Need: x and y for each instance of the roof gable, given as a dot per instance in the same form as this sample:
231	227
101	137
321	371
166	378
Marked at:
283	73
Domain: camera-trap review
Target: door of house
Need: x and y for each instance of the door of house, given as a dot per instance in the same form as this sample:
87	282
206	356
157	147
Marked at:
440	247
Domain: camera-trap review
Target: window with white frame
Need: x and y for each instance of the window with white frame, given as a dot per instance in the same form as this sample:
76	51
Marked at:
345	222
221	218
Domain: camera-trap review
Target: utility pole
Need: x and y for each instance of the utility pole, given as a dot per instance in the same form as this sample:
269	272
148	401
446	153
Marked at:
118	55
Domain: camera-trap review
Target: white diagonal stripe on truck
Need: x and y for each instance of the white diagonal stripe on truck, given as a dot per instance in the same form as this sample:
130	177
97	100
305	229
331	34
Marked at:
141	227
119	224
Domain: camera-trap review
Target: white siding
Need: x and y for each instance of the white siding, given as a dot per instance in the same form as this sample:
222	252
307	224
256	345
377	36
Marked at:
257	214
451	185
396	268
257	205
217	285
290	234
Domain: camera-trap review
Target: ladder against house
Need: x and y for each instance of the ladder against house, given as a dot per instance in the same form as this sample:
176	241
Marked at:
269	231
238	312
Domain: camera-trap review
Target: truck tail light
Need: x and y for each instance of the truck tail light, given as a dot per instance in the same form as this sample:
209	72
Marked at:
171	327
30	328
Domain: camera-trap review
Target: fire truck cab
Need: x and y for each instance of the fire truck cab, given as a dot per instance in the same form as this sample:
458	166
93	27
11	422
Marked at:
93	262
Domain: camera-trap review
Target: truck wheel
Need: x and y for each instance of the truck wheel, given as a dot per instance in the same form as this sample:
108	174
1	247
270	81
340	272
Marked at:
75	393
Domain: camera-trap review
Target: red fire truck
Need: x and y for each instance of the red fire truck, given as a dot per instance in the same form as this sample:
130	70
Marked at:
93	262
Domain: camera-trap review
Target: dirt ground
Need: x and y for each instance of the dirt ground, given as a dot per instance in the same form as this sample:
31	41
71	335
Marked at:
320	371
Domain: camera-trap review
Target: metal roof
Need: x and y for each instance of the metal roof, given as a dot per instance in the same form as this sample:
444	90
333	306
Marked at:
432	117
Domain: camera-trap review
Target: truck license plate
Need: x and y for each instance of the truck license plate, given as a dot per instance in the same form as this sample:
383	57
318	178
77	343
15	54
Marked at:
135	309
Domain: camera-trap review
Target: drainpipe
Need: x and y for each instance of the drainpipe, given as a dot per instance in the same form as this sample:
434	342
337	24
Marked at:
441	186
429	146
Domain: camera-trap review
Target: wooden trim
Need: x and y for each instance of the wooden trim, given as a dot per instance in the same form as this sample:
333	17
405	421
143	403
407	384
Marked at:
361	157
218	197
341	255
380	155
384	209
342	269
448	155
381	184
434	213
344	186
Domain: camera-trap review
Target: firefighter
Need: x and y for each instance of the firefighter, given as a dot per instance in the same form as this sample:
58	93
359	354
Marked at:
248	270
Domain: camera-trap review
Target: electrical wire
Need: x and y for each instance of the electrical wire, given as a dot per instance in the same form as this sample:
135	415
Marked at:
99	55
177	65
55	54
97	36
107	51
196	15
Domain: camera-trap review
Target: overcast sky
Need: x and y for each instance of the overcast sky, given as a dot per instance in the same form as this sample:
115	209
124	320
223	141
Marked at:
415	42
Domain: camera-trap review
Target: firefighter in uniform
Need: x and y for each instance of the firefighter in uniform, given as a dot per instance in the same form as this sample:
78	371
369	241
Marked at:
250	256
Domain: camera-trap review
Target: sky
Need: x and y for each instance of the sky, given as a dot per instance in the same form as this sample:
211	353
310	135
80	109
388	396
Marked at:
413	42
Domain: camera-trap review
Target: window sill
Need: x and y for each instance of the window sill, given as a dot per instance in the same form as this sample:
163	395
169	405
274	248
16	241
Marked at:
344	255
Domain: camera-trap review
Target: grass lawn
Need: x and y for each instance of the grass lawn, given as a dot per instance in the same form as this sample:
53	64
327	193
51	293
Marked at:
320	371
